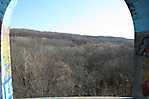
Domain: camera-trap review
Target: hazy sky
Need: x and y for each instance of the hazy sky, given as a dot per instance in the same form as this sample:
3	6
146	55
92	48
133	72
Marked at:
86	17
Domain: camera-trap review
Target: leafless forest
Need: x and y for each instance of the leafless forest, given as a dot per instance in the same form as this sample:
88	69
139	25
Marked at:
61	64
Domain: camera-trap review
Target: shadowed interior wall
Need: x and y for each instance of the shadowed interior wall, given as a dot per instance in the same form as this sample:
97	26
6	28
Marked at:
139	10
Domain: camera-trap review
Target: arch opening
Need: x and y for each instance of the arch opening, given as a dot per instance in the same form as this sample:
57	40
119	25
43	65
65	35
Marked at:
34	55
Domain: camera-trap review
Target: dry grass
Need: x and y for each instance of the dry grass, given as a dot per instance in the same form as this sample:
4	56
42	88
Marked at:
53	67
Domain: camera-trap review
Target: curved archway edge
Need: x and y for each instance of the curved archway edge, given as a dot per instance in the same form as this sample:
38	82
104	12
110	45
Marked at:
140	14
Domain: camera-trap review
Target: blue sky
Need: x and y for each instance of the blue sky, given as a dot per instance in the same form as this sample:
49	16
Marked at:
86	17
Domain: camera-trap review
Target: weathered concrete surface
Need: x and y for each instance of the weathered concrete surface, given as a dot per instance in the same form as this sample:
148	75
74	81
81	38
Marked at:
82	98
139	10
140	14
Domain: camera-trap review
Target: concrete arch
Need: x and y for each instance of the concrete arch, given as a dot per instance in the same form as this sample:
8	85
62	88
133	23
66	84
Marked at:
140	14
